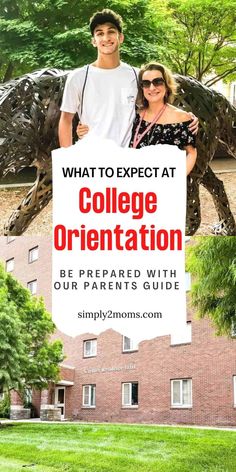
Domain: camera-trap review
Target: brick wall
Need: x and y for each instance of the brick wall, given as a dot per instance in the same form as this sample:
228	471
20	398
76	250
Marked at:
25	271
209	361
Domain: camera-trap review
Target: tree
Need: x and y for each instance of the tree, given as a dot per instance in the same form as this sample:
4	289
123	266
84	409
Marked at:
212	262
27	357
55	33
193	37
202	41
11	345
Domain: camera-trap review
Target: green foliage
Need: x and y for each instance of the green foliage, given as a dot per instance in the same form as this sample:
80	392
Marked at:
5	406
11	345
27	357
212	262
202	40
193	37
56	34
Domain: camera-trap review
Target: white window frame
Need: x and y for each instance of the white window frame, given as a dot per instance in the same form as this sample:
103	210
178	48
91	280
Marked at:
234	389
233	94
181	404
32	286
129	403
93	352
233	329
188	281
59	404
28	395
90	388
10	263
33	254
133	345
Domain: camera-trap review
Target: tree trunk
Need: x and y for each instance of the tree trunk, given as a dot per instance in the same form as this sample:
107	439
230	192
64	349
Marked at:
9	72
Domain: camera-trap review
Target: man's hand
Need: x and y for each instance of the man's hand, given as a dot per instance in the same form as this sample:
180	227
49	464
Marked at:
82	130
194	125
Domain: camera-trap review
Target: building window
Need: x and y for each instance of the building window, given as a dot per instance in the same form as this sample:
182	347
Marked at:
33	254
28	394
10	239
89	396
10	265
234	387
130	394
32	286
90	348
181	393
129	344
233	329
187	281
234	94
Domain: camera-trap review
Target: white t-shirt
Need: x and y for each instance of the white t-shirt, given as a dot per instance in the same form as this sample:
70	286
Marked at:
108	101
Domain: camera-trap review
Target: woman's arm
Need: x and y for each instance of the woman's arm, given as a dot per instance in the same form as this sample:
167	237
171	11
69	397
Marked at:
191	156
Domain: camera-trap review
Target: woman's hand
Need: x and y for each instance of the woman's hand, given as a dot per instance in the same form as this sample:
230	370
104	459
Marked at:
82	130
191	156
194	125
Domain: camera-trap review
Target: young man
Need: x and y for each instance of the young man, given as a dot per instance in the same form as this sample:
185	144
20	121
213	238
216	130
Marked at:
103	93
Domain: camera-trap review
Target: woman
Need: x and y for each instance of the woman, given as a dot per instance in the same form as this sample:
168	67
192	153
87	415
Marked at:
157	121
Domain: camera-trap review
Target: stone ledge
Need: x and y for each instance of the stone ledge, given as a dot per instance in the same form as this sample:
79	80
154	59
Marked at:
19	413
50	413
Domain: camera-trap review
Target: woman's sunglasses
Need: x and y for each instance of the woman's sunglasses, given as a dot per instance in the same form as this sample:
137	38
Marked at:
157	81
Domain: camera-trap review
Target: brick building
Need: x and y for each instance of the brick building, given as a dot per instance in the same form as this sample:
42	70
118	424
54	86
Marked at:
107	378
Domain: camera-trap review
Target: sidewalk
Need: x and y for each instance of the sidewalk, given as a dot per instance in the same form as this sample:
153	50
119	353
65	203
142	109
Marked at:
223	165
190	426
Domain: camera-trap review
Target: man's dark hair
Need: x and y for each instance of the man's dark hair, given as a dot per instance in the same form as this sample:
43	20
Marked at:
105	16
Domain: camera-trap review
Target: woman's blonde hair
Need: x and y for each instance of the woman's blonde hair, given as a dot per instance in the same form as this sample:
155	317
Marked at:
167	75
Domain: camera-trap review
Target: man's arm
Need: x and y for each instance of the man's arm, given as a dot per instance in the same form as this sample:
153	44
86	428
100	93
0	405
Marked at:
65	129
194	125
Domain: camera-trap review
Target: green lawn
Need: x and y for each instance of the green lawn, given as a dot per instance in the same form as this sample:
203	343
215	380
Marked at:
120	448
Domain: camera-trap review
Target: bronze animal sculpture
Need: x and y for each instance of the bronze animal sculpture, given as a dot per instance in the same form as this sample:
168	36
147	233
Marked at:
29	114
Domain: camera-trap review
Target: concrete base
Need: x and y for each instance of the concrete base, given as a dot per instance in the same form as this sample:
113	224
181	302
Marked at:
19	413
50	413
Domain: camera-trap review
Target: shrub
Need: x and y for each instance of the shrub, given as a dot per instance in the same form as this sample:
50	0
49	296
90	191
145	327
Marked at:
5	406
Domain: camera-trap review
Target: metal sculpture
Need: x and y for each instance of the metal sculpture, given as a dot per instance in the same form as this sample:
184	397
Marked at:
29	114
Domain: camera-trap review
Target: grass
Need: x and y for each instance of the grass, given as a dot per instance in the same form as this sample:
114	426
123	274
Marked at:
115	448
